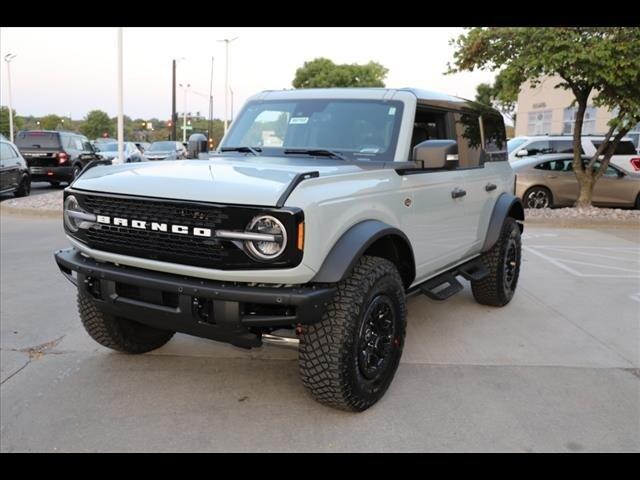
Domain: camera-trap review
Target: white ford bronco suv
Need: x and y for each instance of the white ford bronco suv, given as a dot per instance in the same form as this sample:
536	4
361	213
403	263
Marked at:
320	211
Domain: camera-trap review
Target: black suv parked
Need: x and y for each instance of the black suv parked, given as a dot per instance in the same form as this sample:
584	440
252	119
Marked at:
54	156
14	173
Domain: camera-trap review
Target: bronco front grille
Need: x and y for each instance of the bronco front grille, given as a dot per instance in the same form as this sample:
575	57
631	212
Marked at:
174	247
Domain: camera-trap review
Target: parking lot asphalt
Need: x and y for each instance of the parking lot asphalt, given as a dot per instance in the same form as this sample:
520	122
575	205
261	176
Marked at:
558	369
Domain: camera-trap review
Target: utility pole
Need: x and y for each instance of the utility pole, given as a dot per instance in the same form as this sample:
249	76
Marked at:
226	81
120	107
7	58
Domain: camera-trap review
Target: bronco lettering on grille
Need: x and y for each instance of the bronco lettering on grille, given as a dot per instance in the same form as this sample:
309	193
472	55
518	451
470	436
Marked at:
154	226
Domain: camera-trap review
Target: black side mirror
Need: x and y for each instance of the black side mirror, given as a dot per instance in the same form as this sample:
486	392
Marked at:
436	154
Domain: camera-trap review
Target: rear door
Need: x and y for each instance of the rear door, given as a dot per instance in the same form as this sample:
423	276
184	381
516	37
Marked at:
612	188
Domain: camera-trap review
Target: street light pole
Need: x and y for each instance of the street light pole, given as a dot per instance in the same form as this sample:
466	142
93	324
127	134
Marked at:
231	92
174	115
184	113
226	81
210	129
7	58
120	106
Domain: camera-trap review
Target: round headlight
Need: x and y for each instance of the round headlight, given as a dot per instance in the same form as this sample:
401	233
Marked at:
71	204
266	249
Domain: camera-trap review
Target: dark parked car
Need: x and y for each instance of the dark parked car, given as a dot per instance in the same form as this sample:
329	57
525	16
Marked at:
54	156
166	150
14	173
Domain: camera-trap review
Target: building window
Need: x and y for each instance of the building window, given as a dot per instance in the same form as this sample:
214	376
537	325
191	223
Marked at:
539	123
588	125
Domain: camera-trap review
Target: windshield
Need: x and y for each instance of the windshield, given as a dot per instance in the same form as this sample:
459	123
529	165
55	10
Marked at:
358	129
162	146
107	147
37	140
514	143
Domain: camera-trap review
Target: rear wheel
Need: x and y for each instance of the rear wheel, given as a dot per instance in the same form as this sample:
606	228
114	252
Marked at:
638	202
118	333
25	187
54	184
350	357
503	263
538	197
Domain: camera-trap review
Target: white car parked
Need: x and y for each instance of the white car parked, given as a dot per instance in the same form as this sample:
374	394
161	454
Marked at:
625	156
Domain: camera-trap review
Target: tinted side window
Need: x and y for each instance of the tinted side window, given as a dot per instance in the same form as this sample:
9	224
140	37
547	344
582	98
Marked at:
538	148
469	140
495	144
624	148
6	152
563	146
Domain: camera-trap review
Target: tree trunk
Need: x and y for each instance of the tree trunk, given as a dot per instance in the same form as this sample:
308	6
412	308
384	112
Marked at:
586	192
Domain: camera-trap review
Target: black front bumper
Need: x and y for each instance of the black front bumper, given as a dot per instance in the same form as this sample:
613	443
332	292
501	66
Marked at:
227	312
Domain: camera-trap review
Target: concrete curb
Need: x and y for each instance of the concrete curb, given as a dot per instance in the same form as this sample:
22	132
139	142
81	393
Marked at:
30	212
580	223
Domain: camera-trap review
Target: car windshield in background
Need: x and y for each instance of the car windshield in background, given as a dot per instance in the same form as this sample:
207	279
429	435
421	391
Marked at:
37	140
514	143
625	147
162	146
107	147
357	129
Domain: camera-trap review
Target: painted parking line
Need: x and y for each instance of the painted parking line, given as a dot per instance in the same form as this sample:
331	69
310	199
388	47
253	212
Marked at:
561	261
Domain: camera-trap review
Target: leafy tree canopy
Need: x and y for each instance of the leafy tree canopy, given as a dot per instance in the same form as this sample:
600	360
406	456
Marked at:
586	59
323	73
96	123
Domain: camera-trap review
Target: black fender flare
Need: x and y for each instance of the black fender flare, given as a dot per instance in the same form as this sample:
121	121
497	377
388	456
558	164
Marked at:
345	253
507	205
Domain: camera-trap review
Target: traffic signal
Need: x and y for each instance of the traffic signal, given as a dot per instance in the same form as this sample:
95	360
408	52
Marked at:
169	124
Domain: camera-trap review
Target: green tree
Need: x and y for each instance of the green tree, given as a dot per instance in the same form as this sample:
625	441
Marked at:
323	73
586	59
50	122
96	123
18	122
498	96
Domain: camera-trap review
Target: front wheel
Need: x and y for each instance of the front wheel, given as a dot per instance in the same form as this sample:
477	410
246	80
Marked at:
503	263
25	187
118	333
350	357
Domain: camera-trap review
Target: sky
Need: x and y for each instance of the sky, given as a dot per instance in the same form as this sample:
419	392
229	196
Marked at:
73	70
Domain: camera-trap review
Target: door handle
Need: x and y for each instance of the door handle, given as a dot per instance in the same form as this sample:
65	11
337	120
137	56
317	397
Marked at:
490	187
458	192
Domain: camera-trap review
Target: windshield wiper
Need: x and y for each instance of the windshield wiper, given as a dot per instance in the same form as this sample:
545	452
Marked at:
253	150
319	152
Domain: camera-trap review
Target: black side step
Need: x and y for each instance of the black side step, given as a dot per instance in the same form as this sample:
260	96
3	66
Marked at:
473	270
431	287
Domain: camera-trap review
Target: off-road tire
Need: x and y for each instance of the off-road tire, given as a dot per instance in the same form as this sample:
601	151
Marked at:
119	333
494	290
328	355
25	187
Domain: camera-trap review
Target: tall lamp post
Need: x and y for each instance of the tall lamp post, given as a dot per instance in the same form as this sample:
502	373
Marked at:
120	97
184	113
226	81
231	93
174	116
7	58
